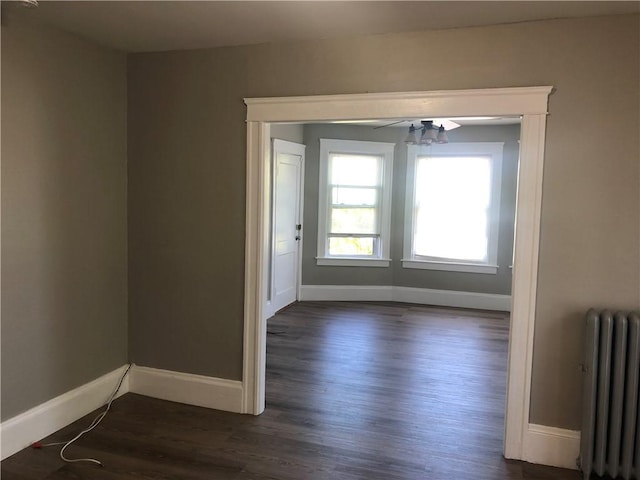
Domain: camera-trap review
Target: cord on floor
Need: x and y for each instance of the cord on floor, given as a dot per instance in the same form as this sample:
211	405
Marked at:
93	425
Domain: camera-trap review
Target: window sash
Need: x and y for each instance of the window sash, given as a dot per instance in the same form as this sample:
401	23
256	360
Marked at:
341	198
335	191
376	176
488	150
375	245
375	234
479	211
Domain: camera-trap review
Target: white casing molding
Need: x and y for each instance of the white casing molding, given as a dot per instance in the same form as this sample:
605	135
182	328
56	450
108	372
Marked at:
552	446
524	283
43	420
424	296
528	102
199	390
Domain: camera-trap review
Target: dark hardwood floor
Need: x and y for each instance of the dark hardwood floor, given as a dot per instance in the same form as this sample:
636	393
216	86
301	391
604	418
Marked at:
354	391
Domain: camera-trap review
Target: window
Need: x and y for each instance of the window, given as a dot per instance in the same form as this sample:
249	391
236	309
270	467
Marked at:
452	207
354	203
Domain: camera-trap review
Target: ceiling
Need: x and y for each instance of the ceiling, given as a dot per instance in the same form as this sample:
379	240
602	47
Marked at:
144	26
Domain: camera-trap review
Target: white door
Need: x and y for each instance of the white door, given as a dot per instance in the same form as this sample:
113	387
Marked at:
287	222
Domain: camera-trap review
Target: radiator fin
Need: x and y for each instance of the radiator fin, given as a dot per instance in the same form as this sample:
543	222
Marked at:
610	443
604	391
631	399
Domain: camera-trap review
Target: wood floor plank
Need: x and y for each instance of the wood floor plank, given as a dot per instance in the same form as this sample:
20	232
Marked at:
373	390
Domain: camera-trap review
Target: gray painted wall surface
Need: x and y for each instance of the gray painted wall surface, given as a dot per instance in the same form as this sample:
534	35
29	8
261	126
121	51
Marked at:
291	132
64	251
313	274
187	177
186	169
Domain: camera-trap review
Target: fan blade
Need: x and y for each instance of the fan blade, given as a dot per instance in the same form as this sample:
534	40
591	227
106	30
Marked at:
389	124
446	123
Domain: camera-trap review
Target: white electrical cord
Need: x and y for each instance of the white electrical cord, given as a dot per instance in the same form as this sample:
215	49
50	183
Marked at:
93	425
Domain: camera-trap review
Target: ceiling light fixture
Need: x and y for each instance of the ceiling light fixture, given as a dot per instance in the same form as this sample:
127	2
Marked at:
430	134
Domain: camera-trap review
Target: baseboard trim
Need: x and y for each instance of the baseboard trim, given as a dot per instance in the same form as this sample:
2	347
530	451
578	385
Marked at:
199	390
552	446
346	293
426	296
43	420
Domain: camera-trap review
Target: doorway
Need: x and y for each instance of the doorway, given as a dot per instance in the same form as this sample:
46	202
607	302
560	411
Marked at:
529	102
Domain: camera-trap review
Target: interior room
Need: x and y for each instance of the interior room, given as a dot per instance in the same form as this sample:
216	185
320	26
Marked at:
502	133
137	233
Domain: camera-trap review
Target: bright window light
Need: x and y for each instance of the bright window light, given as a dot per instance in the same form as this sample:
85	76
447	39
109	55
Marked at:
452	201
452	207
355	170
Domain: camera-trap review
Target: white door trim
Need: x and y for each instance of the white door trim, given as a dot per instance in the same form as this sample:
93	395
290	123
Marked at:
530	102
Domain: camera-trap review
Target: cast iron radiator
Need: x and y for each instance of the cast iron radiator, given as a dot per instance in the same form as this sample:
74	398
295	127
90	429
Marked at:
610	441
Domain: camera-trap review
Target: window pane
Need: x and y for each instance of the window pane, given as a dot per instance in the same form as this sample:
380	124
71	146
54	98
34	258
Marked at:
452	202
350	246
354	169
354	196
353	220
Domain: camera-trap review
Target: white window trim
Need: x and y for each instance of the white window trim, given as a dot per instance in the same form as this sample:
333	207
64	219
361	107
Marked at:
493	149
328	146
450	266
352	262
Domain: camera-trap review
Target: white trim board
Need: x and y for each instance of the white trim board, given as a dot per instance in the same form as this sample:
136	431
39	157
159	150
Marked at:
388	293
438	103
552	446
49	417
199	390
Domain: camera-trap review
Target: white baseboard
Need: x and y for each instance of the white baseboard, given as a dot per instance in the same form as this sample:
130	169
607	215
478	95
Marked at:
543	445
425	296
552	446
346	293
43	420
199	390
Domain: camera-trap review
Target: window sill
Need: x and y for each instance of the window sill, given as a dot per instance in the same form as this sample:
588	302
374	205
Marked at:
352	262
450	266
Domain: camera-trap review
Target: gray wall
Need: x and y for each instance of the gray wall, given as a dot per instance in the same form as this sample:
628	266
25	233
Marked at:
186	211
64	251
313	274
291	132
187	177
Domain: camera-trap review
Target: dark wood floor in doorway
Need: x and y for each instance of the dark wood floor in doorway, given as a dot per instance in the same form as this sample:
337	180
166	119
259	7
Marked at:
354	391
